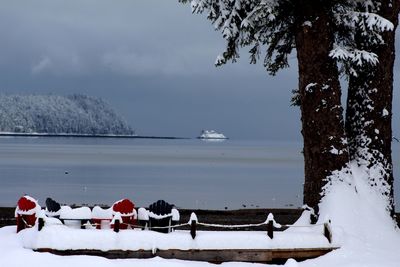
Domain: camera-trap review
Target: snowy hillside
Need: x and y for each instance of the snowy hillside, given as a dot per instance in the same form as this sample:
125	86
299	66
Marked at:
77	114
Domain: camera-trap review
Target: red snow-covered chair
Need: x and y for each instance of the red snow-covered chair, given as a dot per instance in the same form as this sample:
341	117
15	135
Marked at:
26	212
126	209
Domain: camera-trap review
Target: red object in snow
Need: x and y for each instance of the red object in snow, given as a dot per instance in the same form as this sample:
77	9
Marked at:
26	212
26	203
128	213
124	206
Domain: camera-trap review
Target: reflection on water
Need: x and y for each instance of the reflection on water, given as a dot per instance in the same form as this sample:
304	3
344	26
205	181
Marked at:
189	173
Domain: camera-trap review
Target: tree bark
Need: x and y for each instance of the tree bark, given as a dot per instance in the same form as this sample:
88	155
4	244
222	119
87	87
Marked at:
325	147
369	111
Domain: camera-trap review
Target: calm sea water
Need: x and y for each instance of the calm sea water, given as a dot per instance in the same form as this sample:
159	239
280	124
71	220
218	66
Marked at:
188	173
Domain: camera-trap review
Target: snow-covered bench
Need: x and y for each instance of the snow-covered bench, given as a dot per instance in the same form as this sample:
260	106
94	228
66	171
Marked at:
76	218
99	217
102	218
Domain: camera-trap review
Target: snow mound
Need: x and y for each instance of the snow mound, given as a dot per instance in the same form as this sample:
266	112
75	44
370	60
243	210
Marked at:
358	215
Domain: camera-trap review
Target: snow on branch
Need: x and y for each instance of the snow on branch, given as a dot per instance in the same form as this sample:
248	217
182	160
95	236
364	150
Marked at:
220	60
365	21
374	21
358	57
198	6
263	11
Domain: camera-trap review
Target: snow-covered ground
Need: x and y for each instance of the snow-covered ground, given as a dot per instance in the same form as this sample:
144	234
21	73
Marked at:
63	238
361	226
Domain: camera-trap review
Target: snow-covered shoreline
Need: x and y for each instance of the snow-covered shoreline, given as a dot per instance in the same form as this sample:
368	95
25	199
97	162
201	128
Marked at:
65	134
79	114
15	134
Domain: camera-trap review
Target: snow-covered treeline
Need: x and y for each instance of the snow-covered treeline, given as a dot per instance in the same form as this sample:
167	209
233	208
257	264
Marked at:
78	114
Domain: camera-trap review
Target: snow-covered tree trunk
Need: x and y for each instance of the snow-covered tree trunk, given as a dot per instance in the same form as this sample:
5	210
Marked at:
325	147
369	110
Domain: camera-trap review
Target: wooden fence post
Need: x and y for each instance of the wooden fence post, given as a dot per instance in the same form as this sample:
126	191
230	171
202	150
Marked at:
193	227
270	229
116	225
83	224
193	224
40	223
327	231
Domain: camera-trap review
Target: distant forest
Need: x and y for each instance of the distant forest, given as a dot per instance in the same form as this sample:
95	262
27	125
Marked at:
74	114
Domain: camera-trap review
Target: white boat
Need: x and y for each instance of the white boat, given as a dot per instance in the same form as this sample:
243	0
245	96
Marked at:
211	134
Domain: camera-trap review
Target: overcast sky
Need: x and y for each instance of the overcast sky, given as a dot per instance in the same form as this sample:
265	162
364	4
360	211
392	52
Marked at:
152	60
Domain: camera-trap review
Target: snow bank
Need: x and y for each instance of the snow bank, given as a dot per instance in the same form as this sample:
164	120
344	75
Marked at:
12	254
358	214
358	210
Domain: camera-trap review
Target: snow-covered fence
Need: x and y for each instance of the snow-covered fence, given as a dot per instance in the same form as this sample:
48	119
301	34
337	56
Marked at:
217	246
276	241
193	223
117	223
270	224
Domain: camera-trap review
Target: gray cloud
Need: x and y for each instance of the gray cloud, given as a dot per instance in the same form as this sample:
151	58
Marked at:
152	60
91	35
42	65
